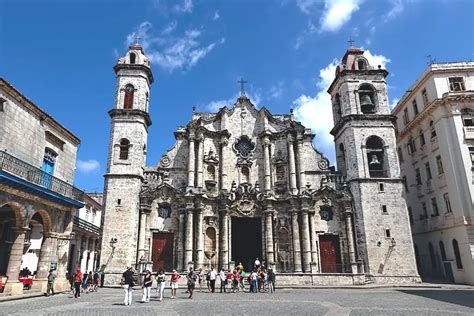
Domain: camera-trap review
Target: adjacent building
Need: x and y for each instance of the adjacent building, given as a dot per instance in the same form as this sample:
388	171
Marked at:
435	144
84	252
37	197
243	183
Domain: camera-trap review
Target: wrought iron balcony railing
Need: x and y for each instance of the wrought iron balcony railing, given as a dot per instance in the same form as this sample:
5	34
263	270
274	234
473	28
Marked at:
85	225
25	171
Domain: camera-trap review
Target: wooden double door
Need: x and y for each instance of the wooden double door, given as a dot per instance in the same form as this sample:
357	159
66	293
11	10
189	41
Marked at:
330	254
162	251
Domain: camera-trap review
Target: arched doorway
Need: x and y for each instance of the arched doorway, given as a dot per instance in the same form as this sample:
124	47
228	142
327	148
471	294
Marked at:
7	235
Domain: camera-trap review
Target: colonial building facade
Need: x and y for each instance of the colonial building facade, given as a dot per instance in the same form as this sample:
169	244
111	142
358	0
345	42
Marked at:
37	198
436	149
244	183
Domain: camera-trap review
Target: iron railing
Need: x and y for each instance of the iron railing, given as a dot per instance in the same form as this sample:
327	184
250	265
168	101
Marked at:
25	171
85	225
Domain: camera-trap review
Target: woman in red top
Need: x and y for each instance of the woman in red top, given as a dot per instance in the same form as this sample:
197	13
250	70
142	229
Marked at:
174	283
77	283
236	281
230	277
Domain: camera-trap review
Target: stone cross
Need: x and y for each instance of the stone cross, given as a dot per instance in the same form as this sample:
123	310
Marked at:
242	90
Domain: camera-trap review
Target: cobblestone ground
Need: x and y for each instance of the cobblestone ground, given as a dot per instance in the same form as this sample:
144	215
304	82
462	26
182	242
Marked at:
283	302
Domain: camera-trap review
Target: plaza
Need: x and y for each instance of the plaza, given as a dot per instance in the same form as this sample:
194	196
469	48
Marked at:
449	300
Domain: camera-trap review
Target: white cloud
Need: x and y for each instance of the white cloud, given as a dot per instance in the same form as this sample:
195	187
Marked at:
276	91
172	52
393	104
88	166
185	7
337	13
376	60
316	112
216	16
214	106
306	6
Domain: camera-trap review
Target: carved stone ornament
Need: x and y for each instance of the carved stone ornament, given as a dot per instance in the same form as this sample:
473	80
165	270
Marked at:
164	211
246	207
323	164
279	158
211	157
326	213
165	161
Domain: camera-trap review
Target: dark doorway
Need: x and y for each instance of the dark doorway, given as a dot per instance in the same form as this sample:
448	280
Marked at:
162	251
330	254
246	240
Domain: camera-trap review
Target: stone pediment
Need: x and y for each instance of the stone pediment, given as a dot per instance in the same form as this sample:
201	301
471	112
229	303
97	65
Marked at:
327	193
164	192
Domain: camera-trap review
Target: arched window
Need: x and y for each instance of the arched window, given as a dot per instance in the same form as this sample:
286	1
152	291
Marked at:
128	100
422	138
466	115
376	157
457	254
366	98
280	173
442	251
432	255
124	147
133	58
342	158
361	64
245	172
337	103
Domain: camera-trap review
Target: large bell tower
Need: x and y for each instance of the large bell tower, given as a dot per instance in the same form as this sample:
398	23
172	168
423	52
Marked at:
366	154
126	160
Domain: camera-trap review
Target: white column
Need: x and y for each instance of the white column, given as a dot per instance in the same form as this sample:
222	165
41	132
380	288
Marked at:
44	262
266	154
350	240
302	178
224	242
269	236
306	240
313	235
191	161
222	169
199	239
296	241
291	158
141	234
92	255
188	243
84	255
200	158
180	242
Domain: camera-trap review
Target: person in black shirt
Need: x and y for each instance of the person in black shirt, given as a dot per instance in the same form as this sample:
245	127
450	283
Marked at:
191	277
127	283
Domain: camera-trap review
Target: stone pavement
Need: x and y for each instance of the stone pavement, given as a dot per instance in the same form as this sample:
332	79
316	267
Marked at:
399	301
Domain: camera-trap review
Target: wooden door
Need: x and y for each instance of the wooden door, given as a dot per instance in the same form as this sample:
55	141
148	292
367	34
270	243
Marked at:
162	251
330	254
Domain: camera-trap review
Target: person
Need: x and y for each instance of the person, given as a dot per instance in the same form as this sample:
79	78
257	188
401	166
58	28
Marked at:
230	278
271	280
70	278
242	278
128	283
240	267
84	282
77	283
200	276
212	279
160	283
51	278
253	281
174	283
191	277
223	279
96	281
256	264
236	281
90	282
147	282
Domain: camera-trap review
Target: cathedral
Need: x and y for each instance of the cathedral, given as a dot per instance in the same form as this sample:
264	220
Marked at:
243	183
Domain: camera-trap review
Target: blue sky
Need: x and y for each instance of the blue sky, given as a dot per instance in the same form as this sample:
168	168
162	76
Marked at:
60	54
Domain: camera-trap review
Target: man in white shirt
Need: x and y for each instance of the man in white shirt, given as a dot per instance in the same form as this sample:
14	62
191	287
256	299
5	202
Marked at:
257	263
212	279
223	279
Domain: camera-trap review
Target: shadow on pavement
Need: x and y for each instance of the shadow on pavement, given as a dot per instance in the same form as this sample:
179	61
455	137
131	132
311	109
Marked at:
459	297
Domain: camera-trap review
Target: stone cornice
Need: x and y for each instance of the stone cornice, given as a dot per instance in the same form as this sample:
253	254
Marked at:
361	117
131	113
144	68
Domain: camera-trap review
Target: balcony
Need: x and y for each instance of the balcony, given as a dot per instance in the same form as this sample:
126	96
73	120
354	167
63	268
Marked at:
21	175
469	132
84	225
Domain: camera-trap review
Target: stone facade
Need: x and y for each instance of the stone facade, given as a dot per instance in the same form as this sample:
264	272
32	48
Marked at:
244	183
37	164
436	144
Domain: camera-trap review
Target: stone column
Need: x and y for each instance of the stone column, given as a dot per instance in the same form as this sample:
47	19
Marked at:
270	252
92	255
142	233
266	155
222	169
200	158
313	235
296	241
44	262
291	158
13	286
199	238
302	177
224	241
306	240
188	242
84	256
191	161
180	241
350	240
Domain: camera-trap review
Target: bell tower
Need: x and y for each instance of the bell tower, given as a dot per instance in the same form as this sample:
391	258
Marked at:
126	160
366	154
